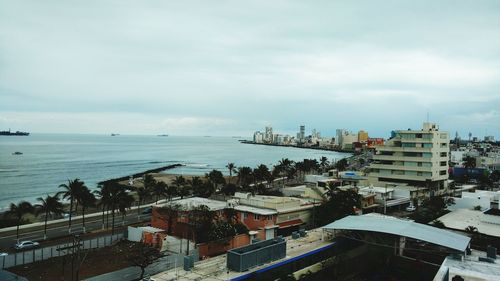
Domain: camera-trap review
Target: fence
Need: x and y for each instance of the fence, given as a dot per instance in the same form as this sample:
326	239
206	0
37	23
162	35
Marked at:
133	273
41	254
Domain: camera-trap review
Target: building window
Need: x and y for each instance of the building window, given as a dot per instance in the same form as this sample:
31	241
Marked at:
444	154
442	173
444	144
443	163
245	215
427	145
408	144
419	173
427	155
256	217
270	217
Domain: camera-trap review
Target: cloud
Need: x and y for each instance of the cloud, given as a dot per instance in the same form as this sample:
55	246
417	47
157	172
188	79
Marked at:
231	67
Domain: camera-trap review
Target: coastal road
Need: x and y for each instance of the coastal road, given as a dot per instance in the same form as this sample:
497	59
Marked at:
60	229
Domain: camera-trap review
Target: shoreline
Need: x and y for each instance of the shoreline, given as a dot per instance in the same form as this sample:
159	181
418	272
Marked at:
301	147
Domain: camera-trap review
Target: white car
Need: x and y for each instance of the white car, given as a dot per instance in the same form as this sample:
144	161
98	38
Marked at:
23	245
411	208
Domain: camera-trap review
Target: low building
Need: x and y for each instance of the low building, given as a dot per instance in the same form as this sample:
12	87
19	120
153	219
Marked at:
472	267
484	222
286	214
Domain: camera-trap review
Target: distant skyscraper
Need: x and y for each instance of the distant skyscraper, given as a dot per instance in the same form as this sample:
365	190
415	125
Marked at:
268	136
302	132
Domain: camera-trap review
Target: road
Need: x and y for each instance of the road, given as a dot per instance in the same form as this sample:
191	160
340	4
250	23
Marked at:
60	229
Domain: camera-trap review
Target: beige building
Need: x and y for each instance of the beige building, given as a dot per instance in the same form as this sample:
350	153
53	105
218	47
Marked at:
418	158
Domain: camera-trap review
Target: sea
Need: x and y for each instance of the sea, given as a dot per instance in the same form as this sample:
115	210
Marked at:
49	160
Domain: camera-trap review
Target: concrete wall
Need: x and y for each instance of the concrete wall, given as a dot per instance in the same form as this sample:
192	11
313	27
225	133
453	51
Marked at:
217	248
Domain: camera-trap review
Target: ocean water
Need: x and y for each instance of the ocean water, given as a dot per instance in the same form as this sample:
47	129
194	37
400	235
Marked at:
49	160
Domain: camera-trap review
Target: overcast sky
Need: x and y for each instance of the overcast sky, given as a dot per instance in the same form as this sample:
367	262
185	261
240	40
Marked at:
232	67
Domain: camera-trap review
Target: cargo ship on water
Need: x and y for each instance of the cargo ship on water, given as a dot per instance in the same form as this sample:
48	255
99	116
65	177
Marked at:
16	133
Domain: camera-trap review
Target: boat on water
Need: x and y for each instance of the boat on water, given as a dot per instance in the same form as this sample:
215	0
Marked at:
16	133
163	135
17	153
113	135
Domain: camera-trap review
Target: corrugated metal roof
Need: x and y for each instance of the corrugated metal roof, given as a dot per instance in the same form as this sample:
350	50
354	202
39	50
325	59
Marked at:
392	225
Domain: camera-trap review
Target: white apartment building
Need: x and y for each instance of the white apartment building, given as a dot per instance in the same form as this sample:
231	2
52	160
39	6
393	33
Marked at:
418	158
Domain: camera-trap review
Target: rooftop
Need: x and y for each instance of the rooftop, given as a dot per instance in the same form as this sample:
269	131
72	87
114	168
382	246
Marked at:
193	202
462	218
472	267
386	224
255	210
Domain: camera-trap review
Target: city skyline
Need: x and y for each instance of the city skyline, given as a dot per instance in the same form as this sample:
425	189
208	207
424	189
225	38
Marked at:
228	69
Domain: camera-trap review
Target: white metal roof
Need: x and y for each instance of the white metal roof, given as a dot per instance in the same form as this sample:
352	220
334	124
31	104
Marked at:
392	225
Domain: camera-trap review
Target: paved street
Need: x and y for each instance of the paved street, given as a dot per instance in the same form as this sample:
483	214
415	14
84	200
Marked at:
59	228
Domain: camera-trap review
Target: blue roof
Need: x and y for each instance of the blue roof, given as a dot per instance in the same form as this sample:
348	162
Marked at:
392	225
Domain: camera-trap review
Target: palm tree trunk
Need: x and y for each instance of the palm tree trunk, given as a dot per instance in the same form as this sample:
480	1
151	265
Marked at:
70	214
113	221
45	227
17	231
83	217
139	210
103	217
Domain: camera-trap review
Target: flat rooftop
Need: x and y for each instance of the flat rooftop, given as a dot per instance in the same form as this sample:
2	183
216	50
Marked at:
193	202
255	210
471	267
462	218
214	269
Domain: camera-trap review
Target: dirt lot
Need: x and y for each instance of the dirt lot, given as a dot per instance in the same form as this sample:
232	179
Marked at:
96	262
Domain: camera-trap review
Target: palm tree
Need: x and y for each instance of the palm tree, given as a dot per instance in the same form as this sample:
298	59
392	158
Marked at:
71	191
216	178
119	199
244	175
86	199
232	168
125	201
142	194
171	191
18	211
179	182
324	163
149	181
159	190
49	205
104	198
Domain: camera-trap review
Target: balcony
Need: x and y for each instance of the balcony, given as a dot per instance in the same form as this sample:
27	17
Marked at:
401	158
404	149
400	167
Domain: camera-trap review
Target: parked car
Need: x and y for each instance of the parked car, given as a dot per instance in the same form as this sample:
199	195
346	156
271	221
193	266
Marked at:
147	210
23	245
411	208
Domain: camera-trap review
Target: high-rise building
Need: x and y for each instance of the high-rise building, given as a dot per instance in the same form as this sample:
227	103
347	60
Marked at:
268	136
302	132
339	136
362	136
258	137
415	157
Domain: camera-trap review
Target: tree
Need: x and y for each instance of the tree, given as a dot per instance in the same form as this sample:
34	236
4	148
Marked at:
149	182
172	191
471	229
261	173
180	182
125	201
229	189
341	165
86	199
324	163
216	178
469	162
438	224
341	203
49	205
104	198
72	190
159	190
144	257
232	169
119	199
244	175
18	211
142	194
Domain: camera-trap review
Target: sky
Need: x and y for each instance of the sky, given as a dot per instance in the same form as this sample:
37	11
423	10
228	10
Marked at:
230	68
